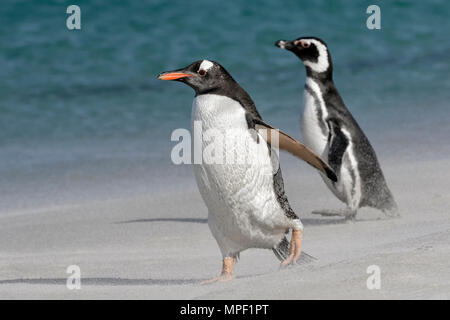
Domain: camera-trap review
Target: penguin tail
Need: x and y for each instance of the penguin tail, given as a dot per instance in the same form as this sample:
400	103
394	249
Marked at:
281	251
387	204
391	210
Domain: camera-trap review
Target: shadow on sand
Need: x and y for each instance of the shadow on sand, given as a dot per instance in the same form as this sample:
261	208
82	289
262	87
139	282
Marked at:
323	222
104	281
115	281
305	221
190	220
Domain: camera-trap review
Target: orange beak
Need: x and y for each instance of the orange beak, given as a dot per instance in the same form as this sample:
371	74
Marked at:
173	76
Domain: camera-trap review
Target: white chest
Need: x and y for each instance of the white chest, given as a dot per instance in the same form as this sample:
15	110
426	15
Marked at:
231	158
313	125
218	112
239	191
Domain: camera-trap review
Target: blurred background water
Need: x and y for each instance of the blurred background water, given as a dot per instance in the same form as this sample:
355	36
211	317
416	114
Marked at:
83	117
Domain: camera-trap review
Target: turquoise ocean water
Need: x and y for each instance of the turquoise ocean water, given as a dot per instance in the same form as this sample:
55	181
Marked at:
82	114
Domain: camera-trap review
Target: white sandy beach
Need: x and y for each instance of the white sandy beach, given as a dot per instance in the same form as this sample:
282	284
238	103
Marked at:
86	176
159	246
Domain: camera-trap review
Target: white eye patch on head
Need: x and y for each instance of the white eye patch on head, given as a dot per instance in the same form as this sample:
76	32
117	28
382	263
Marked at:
206	65
322	59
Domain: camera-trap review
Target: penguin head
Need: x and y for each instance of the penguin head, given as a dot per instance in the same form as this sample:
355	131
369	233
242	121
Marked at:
203	76
311	50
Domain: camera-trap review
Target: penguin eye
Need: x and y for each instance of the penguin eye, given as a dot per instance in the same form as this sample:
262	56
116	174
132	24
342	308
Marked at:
304	44
201	72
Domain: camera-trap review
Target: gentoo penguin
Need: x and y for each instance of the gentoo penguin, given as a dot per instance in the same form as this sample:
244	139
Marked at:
246	201
330	130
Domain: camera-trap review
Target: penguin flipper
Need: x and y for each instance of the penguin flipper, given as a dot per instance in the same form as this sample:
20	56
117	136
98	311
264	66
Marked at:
281	251
338	143
293	146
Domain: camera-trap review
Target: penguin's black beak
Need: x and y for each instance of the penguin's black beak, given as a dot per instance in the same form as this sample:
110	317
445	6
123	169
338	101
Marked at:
283	44
174	75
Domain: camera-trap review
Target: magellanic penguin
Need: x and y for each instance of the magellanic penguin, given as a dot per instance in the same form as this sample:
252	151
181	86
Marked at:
246	201
330	130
